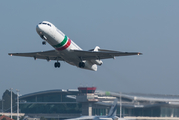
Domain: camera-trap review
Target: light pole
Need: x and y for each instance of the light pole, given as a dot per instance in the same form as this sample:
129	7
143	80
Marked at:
17	104
11	102
120	106
2	105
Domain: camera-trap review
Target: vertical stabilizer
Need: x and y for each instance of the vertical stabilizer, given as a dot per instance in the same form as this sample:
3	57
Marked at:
97	60
113	109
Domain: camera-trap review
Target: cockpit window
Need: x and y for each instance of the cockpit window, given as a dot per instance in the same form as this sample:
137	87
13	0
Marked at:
45	24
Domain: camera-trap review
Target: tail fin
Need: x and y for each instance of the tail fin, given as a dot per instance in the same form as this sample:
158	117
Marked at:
96	48
113	109
97	61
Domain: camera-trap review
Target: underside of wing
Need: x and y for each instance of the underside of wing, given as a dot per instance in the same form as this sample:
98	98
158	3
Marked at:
47	55
102	54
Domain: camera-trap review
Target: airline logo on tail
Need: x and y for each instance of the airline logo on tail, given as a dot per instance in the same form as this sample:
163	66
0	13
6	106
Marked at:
113	109
111	115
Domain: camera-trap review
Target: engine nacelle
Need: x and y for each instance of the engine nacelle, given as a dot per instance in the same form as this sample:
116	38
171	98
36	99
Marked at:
97	62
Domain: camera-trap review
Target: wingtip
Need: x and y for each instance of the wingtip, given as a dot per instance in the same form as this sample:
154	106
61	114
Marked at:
140	53
10	54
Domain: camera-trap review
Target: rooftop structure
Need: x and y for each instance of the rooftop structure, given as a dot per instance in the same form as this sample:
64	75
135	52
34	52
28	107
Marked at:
86	94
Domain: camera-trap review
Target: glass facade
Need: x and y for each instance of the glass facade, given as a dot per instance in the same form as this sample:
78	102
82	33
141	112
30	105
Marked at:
159	111
50	108
99	111
56	102
145	112
169	112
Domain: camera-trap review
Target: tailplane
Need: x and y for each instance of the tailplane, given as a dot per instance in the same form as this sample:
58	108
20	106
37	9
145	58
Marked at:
113	109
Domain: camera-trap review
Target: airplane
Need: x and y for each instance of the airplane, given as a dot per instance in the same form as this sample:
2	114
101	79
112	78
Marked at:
111	115
66	50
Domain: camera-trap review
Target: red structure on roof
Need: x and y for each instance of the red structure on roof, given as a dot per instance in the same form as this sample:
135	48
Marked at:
86	95
86	89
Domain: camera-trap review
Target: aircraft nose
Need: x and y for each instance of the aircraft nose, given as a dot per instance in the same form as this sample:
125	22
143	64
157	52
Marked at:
38	29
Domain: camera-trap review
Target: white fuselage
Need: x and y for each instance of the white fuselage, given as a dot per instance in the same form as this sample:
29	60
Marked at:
63	45
97	118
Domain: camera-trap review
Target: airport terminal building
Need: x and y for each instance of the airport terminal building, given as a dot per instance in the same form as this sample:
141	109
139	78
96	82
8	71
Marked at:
72	103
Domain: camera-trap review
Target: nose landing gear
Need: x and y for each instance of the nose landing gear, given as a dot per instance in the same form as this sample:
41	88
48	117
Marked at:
43	42
43	37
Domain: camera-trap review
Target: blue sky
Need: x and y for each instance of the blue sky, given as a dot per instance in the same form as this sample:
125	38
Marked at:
150	27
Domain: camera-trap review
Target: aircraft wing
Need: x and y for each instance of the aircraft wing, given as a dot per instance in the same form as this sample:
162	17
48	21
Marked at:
102	54
47	55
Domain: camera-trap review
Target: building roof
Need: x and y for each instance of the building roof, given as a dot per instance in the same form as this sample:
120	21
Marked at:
7	118
87	88
142	97
47	92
